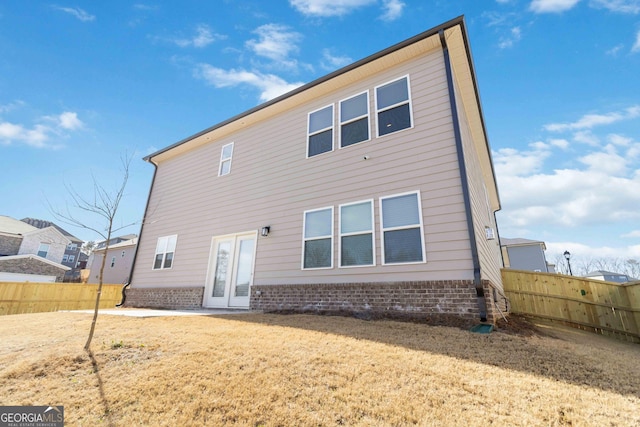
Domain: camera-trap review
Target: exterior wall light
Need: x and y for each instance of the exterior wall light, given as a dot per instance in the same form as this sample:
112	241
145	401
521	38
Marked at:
264	232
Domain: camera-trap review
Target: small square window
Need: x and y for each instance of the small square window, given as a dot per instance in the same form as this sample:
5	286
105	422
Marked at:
164	252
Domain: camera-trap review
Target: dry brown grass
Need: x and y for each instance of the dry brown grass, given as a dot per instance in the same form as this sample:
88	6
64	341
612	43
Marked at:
273	370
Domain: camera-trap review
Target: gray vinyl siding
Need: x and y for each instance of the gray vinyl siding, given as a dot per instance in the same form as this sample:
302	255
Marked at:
489	252
273	183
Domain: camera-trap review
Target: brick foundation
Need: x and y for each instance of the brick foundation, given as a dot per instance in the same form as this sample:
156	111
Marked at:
399	300
170	298
410	300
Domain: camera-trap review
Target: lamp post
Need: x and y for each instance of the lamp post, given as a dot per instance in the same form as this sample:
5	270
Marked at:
567	256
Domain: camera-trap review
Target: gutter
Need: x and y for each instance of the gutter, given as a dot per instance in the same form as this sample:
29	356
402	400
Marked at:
144	219
477	281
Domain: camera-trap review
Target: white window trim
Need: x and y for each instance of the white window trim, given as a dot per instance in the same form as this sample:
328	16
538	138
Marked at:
410	102
65	258
164	254
304	239
373	234
382	229
341	123
332	127
46	252
113	261
223	160
72	258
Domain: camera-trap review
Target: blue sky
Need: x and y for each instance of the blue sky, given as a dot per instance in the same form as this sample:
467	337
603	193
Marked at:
83	83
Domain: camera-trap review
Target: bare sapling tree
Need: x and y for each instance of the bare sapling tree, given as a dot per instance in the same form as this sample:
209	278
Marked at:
103	205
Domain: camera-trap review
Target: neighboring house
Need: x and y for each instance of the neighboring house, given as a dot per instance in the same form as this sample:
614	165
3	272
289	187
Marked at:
11	233
118	265
370	191
609	276
115	240
31	253
525	254
71	253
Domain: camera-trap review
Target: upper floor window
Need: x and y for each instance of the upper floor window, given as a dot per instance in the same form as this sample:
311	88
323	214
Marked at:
65	258
43	250
225	159
354	119
113	261
402	232
356	234
122	254
165	249
393	106
72	246
318	238
72	258
320	131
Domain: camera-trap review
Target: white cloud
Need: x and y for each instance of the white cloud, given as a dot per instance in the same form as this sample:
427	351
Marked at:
560	143
392	10
39	135
589	121
270	86
620	6
333	62
514	36
632	234
636	46
614	50
77	12
202	38
326	8
70	121
581	252
11	106
510	162
276	42
552	6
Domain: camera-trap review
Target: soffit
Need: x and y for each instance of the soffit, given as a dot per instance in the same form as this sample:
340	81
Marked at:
466	84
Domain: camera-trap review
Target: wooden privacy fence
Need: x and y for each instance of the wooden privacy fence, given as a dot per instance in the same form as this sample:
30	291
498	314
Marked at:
605	307
28	297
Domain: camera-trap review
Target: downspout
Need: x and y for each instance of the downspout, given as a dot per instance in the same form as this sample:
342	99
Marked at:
144	219
477	281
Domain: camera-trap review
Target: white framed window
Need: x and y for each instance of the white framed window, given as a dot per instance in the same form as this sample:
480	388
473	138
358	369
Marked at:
165	250
393	106
317	245
65	258
43	250
122	254
226	154
113	261
354	119
320	131
357	239
72	258
402	233
72	246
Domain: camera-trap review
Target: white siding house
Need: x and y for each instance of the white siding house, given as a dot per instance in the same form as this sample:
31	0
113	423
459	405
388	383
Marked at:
370	190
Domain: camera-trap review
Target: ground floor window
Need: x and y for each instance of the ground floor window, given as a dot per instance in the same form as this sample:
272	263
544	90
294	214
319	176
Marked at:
401	224
165	250
318	238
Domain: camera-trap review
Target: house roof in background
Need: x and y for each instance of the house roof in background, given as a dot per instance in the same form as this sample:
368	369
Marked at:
13	226
41	223
518	241
603	273
130	242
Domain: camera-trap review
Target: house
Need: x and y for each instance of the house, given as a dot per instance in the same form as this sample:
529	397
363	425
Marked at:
609	276
525	254
370	191
71	254
118	265
27	251
115	240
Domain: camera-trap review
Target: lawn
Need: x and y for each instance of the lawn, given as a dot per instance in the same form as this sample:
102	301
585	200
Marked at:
303	370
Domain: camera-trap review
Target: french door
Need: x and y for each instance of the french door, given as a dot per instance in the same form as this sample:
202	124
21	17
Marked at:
230	270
